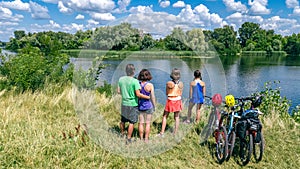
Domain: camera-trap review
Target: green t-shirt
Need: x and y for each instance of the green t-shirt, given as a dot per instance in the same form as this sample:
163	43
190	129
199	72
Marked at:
128	86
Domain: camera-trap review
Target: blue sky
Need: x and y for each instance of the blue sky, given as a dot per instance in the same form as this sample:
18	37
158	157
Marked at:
157	17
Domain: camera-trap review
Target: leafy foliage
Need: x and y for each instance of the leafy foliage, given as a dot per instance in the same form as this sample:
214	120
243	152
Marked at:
87	79
273	101
106	89
30	69
296	113
249	37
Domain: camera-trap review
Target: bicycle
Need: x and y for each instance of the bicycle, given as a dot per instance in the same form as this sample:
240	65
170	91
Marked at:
251	140
230	123
220	133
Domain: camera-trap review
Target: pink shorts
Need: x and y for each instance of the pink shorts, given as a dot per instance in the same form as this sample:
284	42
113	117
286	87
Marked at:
173	105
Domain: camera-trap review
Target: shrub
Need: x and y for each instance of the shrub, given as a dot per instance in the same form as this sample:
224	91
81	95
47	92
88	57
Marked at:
296	113
105	89
30	69
87	79
273	101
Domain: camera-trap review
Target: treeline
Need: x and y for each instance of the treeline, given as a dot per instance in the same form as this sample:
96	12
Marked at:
225	40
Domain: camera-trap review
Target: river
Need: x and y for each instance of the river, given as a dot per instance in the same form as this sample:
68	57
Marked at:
240	75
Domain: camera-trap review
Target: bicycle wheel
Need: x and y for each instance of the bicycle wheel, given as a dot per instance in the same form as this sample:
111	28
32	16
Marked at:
208	129
246	149
221	144
231	142
258	148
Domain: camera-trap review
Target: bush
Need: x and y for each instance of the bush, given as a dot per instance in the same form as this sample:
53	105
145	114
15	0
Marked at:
296	113
273	101
30	69
87	79
105	89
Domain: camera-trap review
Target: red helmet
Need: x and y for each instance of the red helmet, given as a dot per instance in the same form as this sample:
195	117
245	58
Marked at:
217	99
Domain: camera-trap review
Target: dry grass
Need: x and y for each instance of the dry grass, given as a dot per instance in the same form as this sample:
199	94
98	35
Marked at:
46	130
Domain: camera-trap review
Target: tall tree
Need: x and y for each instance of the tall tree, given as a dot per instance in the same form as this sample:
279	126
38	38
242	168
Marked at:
195	40
246	32
19	34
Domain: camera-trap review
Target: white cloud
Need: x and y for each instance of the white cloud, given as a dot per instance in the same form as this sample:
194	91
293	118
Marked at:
291	3
90	5
5	12
235	6
8	24
237	19
73	28
179	4
123	4
259	6
63	9
141	9
92	22
79	16
38	11
160	24
7	15
51	1
53	24
164	4
281	25
17	5
296	11
102	16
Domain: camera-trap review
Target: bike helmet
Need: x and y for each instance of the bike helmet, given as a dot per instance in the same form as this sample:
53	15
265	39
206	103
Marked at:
217	99
257	101
230	101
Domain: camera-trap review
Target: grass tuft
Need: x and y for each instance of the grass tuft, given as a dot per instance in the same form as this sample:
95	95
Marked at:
79	129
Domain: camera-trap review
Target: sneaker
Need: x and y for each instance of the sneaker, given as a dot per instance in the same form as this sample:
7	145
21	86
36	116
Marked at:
187	122
128	141
160	135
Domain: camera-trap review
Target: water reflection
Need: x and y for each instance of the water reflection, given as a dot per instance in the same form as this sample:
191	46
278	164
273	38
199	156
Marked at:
240	75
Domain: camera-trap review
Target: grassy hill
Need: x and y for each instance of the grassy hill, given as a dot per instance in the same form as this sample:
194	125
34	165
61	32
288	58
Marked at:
49	130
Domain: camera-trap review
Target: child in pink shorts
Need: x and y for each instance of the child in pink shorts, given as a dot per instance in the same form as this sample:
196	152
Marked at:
173	104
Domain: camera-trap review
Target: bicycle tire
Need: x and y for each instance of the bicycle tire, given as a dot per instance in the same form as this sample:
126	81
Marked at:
207	129
221	144
248	149
231	142
258	149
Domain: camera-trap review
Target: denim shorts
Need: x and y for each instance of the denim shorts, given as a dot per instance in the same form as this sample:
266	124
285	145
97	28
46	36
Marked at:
149	111
129	114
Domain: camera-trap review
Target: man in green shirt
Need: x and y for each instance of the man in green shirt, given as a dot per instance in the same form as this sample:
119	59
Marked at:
129	88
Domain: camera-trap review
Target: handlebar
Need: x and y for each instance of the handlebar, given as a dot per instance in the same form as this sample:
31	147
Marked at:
208	97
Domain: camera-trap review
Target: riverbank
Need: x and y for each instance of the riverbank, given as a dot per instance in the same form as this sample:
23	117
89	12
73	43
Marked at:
110	54
41	130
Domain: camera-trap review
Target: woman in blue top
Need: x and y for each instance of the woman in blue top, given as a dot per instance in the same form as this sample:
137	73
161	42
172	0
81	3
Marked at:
196	95
146	106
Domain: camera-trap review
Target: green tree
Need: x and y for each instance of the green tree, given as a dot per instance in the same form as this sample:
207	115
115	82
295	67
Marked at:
19	34
246	32
228	38
147	42
176	40
26	70
292	46
195	40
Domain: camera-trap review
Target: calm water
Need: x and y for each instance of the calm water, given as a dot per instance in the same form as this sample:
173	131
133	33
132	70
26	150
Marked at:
239	76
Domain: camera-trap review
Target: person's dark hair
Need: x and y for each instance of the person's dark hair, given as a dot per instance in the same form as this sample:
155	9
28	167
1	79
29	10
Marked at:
144	75
197	74
175	74
130	69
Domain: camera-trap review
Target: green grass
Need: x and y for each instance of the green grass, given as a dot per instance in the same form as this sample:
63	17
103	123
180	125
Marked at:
88	53
41	130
